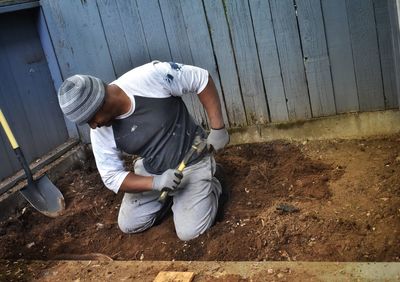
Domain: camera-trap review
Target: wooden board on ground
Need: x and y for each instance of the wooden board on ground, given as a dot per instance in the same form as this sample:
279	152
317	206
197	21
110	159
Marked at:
165	276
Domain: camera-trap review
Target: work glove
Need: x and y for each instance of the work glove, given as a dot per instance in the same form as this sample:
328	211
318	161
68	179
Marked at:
168	181
218	138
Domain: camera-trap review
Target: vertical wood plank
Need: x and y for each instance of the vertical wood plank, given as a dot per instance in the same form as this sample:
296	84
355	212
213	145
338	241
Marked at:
133	31
115	36
180	47
14	112
36	93
200	45
176	31
316	58
340	55
54	69
291	59
154	31
394	16
366	54
78	38
27	94
79	41
269	59
386	52
226	62
244	46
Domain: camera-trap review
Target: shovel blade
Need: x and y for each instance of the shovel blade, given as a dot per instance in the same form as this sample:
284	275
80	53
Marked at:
44	196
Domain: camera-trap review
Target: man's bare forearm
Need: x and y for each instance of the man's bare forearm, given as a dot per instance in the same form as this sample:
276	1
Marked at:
210	101
134	183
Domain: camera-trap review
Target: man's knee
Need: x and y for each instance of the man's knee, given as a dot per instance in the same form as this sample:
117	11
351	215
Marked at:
134	226
186	232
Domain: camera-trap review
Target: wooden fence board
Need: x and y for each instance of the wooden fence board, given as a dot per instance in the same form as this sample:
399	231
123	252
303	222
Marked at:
153	28
386	52
340	55
291	59
79	41
248	65
226	61
394	13
366	54
133	32
78	38
115	36
269	59
179	44
200	44
316	58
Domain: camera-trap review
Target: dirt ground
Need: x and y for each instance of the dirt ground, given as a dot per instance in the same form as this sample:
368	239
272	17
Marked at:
310	201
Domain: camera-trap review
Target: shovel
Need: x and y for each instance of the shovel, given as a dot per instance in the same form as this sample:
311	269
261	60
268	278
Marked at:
42	194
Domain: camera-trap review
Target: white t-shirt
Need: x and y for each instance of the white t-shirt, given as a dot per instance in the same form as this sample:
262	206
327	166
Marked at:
154	80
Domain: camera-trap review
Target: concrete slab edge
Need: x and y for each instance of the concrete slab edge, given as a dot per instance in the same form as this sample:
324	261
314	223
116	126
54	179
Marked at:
344	126
204	270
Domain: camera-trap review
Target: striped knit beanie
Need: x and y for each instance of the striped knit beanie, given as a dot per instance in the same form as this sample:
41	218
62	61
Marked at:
80	97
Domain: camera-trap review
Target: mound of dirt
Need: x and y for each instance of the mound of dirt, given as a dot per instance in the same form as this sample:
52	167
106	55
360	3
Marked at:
313	201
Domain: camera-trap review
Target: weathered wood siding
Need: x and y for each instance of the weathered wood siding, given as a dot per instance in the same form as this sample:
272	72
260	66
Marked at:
27	93
272	60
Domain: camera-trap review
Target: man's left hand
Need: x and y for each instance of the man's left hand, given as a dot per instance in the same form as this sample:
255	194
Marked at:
218	138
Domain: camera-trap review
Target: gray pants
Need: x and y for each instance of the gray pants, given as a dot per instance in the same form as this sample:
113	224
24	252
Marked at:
194	206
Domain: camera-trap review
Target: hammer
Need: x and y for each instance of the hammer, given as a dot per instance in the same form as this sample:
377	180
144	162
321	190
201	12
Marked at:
199	144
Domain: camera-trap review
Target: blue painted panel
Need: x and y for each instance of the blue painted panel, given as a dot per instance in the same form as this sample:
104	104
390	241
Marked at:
52	62
248	65
79	41
225	58
27	93
386	52
179	45
316	60
133	32
364	42
291	58
200	44
78	38
153	28
114	32
269	59
340	55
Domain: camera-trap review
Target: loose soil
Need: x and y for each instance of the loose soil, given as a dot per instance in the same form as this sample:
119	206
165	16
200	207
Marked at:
311	201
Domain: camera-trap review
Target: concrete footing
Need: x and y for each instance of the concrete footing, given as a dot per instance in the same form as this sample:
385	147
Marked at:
203	270
345	126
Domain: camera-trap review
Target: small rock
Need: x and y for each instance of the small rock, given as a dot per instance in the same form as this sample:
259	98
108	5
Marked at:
30	245
280	275
270	271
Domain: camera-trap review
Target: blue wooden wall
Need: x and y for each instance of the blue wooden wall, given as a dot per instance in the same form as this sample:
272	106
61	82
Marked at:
27	94
272	60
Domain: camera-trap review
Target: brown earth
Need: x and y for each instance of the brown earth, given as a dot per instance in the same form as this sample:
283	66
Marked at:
347	194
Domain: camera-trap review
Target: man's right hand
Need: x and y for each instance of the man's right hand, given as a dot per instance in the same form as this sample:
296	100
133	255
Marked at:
169	180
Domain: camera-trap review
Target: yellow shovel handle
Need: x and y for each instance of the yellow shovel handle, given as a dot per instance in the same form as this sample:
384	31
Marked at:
181	166
8	131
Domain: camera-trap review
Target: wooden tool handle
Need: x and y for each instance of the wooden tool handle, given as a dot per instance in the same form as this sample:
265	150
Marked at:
8	131
164	194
